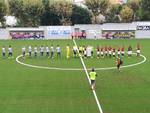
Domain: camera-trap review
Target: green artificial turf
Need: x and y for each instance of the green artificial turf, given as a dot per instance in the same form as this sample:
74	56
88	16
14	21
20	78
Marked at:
30	90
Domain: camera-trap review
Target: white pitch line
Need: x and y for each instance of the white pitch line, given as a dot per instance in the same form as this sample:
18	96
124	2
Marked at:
77	69
85	69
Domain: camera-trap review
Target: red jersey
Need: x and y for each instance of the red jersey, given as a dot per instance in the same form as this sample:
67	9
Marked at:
122	49
138	46
114	50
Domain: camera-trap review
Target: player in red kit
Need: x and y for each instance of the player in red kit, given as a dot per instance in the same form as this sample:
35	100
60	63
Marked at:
138	51
114	52
106	52
122	51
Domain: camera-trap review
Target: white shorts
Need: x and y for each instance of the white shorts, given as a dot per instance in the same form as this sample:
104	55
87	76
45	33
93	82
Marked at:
98	52
138	51
122	52
129	52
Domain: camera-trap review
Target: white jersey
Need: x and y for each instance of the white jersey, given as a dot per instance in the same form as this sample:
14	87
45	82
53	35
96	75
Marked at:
30	49
75	48
98	52
118	52
138	51
10	50
41	49
85	52
114	53
129	52
23	49
122	52
35	49
89	49
47	49
52	49
58	49
3	50
110	52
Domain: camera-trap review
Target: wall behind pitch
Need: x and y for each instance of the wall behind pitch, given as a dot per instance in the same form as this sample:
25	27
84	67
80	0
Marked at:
4	34
91	30
142	30
57	32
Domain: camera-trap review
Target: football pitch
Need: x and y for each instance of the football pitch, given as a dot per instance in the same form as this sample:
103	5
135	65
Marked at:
42	85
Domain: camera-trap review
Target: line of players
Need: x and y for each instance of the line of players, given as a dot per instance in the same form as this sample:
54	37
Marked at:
85	51
107	51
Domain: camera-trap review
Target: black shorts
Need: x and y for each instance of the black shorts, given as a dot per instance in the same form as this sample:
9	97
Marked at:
109	55
47	53
58	53
23	53
35	53
74	52
3	54
52	53
29	53
92	82
10	54
42	53
118	66
80	51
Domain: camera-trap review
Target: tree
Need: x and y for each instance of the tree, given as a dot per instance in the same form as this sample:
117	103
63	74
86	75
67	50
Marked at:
145	10
28	12
33	13
97	7
112	15
80	15
50	17
135	6
126	14
64	11
17	9
2	12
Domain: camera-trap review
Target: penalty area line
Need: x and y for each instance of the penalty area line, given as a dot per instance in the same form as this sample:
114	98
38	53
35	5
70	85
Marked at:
85	69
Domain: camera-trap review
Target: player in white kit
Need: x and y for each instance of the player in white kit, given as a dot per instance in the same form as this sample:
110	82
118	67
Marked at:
89	53
10	52
35	51
23	51
3	51
75	49
58	51
52	51
41	50
47	51
30	51
85	52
